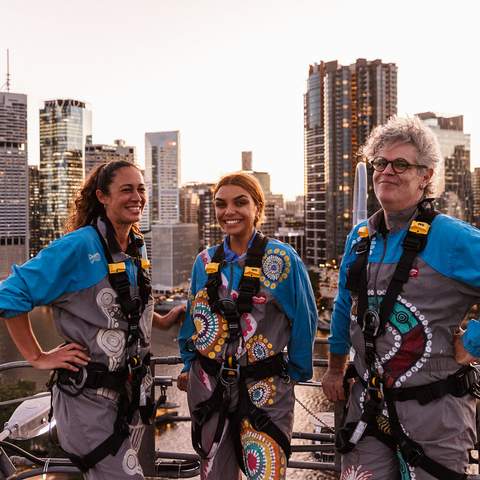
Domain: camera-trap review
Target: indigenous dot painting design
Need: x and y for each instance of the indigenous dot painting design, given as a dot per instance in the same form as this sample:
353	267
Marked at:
410	336
262	393
275	267
211	328
356	472
259	348
263	458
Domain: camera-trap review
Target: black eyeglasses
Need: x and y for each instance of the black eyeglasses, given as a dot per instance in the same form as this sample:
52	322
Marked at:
399	165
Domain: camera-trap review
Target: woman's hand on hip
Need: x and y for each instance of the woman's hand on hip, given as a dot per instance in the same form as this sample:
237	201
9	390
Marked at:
70	357
182	381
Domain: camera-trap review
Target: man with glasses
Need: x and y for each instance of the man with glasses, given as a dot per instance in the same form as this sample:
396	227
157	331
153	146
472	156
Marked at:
407	279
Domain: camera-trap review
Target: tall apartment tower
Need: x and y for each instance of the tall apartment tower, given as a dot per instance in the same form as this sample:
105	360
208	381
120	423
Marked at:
96	154
34	208
342	104
162	172
476	196
13	181
450	134
457	199
65	125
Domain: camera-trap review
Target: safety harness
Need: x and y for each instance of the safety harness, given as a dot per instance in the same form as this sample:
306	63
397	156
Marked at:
372	322
229	372
96	375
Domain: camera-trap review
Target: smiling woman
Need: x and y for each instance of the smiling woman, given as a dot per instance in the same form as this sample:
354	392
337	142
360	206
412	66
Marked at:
97	281
250	298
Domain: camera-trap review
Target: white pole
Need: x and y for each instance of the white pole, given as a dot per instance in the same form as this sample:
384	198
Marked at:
360	193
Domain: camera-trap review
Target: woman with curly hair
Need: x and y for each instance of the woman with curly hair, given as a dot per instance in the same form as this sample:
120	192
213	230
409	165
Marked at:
96	279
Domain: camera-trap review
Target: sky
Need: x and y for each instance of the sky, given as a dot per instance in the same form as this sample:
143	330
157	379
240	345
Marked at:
230	75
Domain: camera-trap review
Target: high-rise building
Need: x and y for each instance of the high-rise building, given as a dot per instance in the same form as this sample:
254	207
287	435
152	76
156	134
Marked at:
162	172
449	132
453	186
174	247
457	199
34	212
476	196
246	160
65	125
209	230
96	154
342	104
13	181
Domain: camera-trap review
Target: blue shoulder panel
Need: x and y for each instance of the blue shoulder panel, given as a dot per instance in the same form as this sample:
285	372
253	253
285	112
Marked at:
74	262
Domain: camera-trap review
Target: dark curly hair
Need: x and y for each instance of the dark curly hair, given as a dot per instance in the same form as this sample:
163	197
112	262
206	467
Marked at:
86	206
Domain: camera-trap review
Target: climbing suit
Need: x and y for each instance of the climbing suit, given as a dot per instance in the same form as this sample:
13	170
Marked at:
414	349
283	314
72	276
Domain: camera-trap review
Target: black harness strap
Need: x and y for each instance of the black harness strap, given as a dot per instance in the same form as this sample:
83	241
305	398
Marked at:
413	243
259	419
413	452
96	375
229	372
250	281
372	324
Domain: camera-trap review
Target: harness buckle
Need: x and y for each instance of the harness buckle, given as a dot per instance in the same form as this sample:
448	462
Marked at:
371	322
134	364
467	380
362	246
229	375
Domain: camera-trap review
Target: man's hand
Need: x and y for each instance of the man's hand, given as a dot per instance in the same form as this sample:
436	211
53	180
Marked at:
332	381
332	384
462	356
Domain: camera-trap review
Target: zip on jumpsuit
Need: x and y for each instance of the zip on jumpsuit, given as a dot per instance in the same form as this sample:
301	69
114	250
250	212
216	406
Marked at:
71	275
416	347
284	315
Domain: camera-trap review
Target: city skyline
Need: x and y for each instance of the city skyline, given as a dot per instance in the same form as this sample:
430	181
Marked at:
231	77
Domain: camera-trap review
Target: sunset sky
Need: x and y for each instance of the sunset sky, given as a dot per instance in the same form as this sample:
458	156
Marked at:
230	75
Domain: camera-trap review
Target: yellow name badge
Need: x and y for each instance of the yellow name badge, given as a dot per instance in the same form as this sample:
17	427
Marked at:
363	232
419	227
211	267
254	272
117	267
145	264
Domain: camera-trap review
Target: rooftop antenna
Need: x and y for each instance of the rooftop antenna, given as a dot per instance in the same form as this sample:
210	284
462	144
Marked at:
6	85
8	70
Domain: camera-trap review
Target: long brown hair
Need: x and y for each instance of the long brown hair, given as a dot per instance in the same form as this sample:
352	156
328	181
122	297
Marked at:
249	183
86	206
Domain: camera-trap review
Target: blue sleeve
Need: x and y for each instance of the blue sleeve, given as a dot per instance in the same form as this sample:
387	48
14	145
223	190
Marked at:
471	338
188	328
465	257
465	267
56	270
302	312
339	338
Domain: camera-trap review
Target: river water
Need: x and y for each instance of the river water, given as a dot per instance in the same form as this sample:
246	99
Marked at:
175	437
